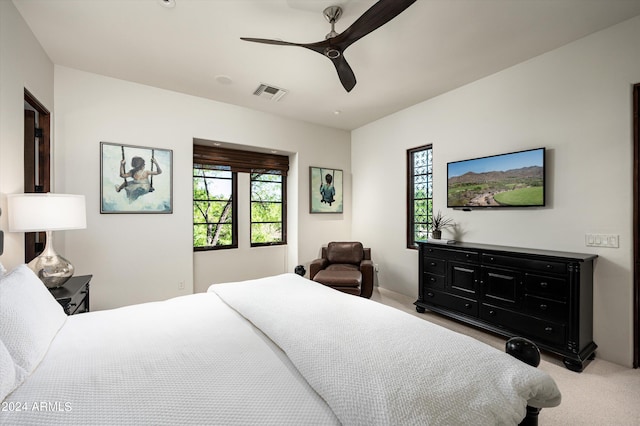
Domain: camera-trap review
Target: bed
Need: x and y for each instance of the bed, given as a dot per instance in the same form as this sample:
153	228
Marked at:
280	350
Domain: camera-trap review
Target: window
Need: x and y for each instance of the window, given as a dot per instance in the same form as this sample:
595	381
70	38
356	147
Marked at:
215	195
268	224
214	208
420	194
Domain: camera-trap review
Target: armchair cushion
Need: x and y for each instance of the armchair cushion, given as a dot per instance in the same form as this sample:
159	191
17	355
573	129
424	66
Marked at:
345	252
339	278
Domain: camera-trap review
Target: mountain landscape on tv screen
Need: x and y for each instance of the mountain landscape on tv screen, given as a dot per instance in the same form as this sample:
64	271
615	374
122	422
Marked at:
517	187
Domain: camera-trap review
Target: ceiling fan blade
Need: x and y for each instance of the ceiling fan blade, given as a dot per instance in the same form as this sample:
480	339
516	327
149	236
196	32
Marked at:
377	15
269	41
345	73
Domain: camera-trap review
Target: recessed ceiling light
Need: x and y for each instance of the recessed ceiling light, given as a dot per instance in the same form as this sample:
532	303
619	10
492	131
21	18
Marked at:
337	112
168	3
224	79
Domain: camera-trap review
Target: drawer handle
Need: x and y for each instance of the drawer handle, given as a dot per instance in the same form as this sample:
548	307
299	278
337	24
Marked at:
433	264
432	279
492	313
491	259
548	329
544	284
430	294
543	307
549	266
467	305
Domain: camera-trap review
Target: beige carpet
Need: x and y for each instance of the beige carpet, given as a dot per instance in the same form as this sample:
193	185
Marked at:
604	393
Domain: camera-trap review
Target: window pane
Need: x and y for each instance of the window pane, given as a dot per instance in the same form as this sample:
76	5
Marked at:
266	177
212	211
419	159
266	212
212	172
421	232
420	208
266	233
212	235
266	191
212	189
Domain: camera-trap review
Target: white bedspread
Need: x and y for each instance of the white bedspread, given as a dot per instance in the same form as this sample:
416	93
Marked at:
375	365
187	361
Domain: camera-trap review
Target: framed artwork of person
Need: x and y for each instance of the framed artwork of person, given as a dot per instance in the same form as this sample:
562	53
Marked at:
135	179
325	190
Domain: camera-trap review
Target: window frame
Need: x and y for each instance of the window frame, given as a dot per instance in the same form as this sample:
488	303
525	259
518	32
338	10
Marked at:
209	154
411	222
234	209
283	202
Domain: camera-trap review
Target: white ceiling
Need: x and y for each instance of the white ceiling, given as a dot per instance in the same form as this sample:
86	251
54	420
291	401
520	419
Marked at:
431	48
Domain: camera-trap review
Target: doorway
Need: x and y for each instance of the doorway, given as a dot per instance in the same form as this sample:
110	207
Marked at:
37	163
636	226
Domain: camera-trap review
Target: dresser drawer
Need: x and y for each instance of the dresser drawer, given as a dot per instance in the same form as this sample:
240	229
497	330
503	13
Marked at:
545	308
530	264
459	255
550	287
434	266
538	329
433	281
456	303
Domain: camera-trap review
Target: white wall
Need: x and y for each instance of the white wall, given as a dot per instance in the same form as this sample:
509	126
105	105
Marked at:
23	64
576	101
141	257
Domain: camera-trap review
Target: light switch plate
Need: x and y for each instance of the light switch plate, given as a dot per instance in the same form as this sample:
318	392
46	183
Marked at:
602	240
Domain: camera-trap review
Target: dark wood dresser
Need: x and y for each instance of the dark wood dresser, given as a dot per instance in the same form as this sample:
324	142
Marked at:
74	295
544	296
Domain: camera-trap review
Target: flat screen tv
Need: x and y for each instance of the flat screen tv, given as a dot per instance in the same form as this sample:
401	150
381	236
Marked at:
511	180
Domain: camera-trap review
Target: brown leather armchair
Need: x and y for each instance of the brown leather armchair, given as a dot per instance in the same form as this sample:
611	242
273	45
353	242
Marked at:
345	266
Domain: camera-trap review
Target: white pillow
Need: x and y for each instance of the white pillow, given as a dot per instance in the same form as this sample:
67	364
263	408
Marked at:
7	372
30	317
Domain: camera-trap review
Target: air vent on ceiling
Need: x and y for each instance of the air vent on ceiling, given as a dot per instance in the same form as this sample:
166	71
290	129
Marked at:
270	92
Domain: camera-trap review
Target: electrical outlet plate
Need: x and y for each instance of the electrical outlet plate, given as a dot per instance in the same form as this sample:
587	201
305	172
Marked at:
602	240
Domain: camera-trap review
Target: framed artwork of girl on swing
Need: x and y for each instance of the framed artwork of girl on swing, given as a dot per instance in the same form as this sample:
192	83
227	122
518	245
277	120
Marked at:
325	190
135	179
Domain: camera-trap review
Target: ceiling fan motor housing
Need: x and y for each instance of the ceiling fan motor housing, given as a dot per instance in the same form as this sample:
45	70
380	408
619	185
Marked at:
331	52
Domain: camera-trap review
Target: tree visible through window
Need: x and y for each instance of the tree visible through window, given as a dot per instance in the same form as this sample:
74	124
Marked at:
214	209
268	224
420	194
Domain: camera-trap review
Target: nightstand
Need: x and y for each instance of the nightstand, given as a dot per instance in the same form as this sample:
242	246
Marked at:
74	295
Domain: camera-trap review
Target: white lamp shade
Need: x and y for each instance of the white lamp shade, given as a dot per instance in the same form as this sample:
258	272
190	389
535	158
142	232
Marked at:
46	212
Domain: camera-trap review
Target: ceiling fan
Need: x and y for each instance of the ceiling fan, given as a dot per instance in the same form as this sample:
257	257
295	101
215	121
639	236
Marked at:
335	44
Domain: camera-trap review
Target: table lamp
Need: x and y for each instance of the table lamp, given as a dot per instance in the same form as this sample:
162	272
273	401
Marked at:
47	212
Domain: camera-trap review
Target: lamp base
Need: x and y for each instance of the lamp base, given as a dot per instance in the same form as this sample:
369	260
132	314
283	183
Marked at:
52	269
